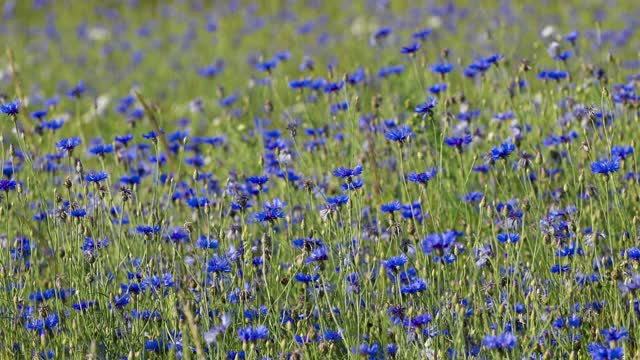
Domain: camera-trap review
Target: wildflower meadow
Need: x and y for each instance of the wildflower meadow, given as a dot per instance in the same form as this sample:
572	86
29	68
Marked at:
319	179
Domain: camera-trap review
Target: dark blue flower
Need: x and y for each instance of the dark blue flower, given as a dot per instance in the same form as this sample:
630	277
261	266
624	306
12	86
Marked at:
147	229
621	152
306	278
39	114
410	49
442	68
77	90
78	213
267	66
508	237
353	185
101	150
7	184
421	34
423	177
391	207
68	144
121	301
11	108
346	173
503	151
218	264
399	134
395	263
124	139
96	177
333	87
337	201
458	142
427	107
272	211
605	166
251	334
438	88
615	334
602	352
504	341
414	287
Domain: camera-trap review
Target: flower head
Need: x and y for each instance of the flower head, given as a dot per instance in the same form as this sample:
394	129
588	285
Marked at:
11	108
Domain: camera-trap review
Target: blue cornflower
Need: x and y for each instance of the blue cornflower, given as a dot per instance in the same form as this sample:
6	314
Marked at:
605	166
621	152
508	237
504	341
440	242
399	134
39	114
218	264
371	352
68	144
346	173
152	135
267	66
337	201
300	84
382	33
458	142
272	211
438	88
96	177
11	108
331	335
306	278
259	180
101	150
563	56
353	185
442	68
318	254
121	301
124	139
395	263
147	229
77	90
78	213
422	34
410	49
390	70
427	107
251	334
602	352
333	87
615	334
357	76
556	75
415	286
391	207
7	184
52	125
503	151
423	177
211	70
228	101
572	37
197	202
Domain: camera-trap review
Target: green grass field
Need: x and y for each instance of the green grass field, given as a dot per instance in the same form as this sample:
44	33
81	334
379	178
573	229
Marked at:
319	179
